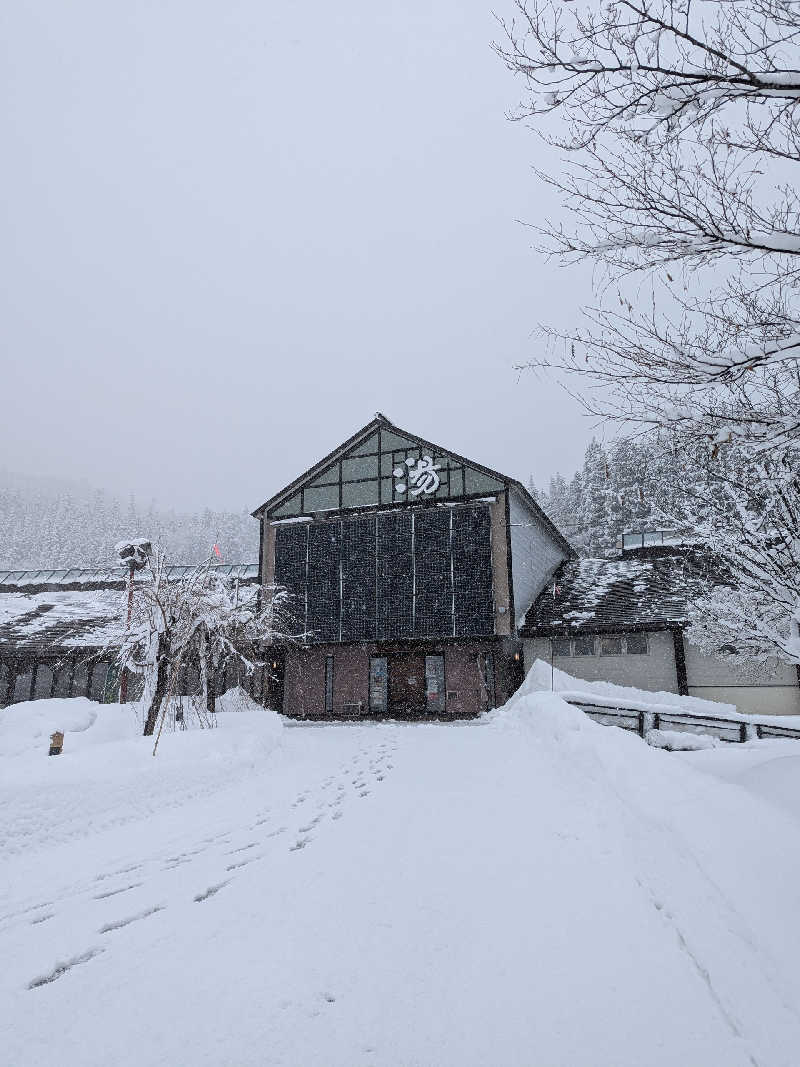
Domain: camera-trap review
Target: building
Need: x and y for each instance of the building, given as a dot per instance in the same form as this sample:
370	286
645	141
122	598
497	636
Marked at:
55	624
423	584
625	620
409	568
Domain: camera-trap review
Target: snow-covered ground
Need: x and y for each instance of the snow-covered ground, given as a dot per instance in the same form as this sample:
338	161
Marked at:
529	888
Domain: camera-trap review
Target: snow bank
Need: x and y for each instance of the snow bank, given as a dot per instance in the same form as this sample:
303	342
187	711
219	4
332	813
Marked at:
103	740
25	728
608	694
674	741
107	775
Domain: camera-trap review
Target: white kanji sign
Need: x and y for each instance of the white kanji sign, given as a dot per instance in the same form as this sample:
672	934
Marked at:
421	474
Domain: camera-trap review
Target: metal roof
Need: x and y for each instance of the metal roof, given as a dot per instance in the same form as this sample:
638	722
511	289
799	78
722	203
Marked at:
99	576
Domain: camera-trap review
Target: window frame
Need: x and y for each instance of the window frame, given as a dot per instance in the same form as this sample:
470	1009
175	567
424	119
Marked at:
641	636
587	638
611	637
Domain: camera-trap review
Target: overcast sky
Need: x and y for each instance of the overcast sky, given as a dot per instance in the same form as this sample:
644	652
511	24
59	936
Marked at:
231	232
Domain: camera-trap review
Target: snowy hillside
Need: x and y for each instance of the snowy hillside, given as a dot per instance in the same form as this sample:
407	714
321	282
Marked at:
529	888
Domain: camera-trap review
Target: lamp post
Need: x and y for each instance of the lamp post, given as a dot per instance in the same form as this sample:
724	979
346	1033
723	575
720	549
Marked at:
135	554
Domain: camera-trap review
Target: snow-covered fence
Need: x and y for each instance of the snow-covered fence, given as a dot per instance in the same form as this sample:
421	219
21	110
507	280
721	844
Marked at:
642	721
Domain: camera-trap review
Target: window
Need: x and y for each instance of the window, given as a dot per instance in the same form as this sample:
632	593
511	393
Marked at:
477	482
80	680
359	467
584	646
329	685
44	681
22	685
357	494
378	677
288	508
323	498
637	644
560	646
98	684
611	646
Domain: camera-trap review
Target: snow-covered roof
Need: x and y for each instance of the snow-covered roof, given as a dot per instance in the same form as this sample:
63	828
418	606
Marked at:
81	612
612	595
52	621
98	577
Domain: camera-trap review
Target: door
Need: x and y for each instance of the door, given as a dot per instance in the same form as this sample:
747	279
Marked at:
407	683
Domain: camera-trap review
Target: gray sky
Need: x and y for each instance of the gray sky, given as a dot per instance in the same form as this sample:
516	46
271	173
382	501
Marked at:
231	232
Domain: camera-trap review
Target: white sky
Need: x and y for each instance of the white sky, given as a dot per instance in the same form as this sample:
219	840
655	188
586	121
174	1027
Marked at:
232	232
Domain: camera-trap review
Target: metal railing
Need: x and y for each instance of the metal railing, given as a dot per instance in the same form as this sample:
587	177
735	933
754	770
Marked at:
635	719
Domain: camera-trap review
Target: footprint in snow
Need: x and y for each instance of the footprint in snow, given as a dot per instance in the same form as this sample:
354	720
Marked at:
243	848
42	918
242	863
116	892
63	967
301	842
122	870
119	923
212	889
312	823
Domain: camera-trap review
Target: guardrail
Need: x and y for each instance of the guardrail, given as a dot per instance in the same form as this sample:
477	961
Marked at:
635	719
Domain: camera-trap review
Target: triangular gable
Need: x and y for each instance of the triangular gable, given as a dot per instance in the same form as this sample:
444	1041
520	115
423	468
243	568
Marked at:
383	465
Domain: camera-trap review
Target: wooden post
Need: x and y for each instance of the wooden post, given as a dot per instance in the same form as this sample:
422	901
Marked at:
56	743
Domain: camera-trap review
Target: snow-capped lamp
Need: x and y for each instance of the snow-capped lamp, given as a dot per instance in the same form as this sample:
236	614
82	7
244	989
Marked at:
134	553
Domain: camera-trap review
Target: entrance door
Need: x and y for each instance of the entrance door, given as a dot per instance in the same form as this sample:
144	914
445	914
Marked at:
407	683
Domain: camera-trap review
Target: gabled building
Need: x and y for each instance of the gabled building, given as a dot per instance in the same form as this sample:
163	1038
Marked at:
410	568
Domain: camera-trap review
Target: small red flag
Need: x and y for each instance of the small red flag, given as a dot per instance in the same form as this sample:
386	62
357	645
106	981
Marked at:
217	552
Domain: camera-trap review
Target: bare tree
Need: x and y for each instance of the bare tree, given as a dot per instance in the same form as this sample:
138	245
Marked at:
679	123
202	619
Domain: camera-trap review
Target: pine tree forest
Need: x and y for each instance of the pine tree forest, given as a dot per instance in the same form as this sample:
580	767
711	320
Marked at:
52	527
626	486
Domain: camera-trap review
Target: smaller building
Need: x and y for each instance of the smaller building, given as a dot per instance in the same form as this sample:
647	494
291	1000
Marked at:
54	625
625	621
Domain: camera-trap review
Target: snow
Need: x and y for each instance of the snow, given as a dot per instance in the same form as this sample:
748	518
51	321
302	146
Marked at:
529	887
674	741
611	695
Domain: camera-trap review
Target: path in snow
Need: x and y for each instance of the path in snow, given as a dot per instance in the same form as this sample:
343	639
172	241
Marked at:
484	893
